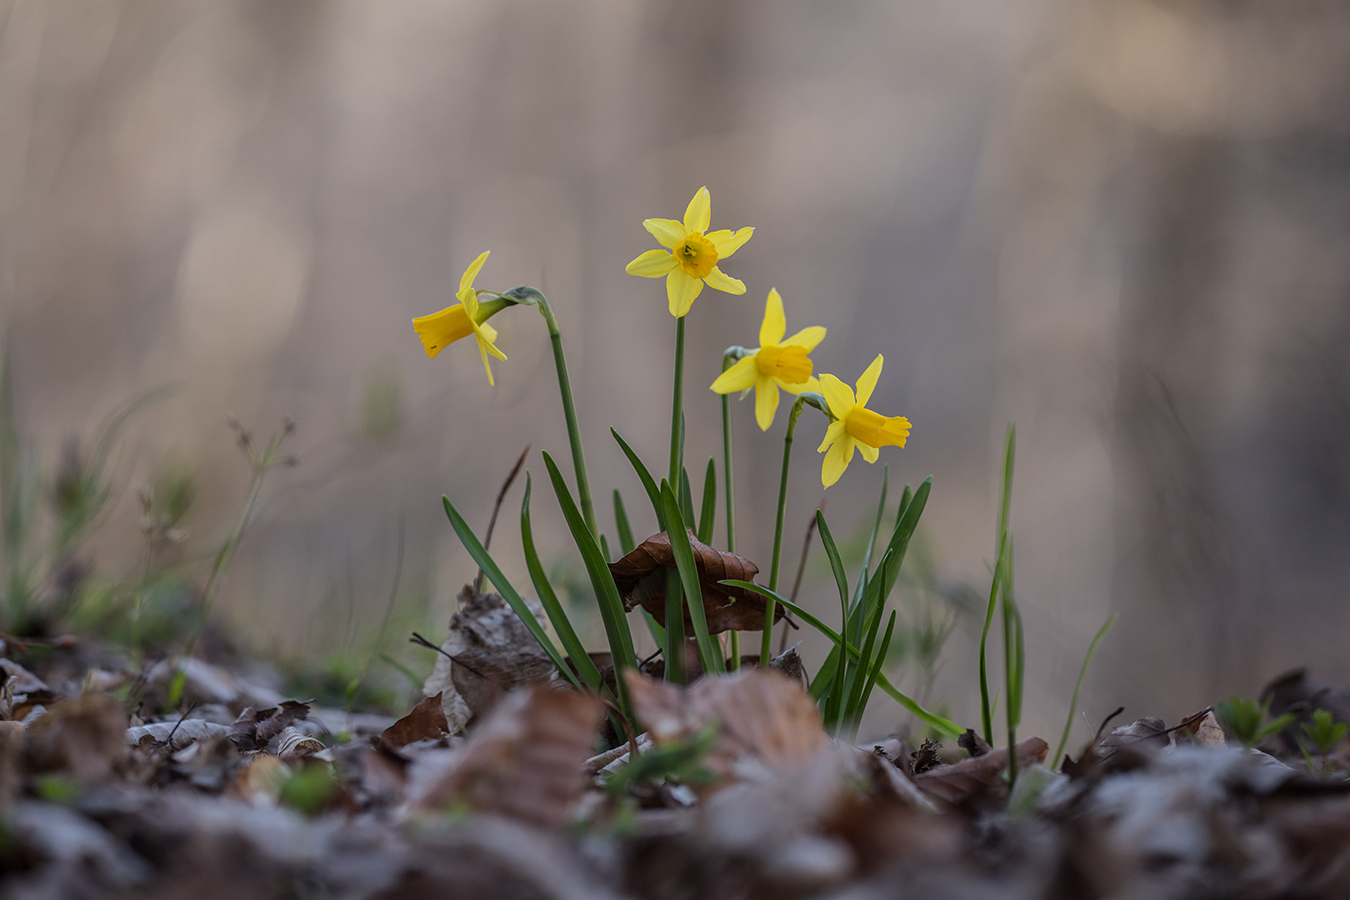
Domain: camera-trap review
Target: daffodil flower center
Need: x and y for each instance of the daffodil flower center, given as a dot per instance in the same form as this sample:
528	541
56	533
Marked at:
786	362
876	430
696	255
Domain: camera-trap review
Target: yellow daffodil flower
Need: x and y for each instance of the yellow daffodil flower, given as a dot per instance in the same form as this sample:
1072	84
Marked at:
467	317
691	255
778	363
855	425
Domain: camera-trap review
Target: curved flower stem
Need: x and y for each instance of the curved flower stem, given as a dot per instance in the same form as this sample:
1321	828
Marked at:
765	647
570	413
728	360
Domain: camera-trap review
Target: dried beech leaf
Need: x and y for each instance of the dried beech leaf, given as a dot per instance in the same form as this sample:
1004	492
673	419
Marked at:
1140	736
641	579
762	714
524	761
1201	728
291	744
493	653
254	728
971	777
84	736
426	722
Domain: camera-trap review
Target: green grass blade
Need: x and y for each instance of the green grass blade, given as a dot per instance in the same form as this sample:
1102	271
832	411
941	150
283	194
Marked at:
949	729
986	708
862	670
1058	756
841	582
905	525
672	649
708	650
708	514
513	599
1015	648
562	626
880	661
686	499
626	542
648	484
606	593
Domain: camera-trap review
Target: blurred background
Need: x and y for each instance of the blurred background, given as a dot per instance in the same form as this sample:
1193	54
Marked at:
1121	224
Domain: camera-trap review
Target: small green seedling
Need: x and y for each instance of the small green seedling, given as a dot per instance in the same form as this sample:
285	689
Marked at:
1324	732
1245	720
678	763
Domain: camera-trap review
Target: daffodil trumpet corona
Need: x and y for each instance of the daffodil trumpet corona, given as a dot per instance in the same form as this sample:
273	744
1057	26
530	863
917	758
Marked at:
778	363
855	427
690	255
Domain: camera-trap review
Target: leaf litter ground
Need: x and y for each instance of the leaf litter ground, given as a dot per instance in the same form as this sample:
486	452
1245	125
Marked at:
498	785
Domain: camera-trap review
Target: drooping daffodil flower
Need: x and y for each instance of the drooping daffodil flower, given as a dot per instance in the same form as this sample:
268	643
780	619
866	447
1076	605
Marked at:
778	362
855	426
691	255
468	316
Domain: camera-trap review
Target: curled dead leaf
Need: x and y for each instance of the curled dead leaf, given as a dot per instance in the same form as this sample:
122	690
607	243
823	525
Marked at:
292	744
524	761
760	714
426	722
255	728
971	777
641	579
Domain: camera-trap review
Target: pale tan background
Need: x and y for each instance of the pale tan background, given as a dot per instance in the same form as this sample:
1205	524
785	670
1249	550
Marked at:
1121	223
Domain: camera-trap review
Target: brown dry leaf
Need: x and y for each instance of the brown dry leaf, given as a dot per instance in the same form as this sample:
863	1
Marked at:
1140	736
426	722
970	777
291	744
84	736
761	714
641	579
493	653
524	761
255	728
1202	729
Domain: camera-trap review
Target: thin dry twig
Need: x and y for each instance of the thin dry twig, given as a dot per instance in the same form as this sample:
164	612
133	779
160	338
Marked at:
496	508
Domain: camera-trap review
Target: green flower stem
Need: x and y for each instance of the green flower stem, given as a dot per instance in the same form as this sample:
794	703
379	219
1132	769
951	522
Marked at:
677	404
766	641
728	360
570	413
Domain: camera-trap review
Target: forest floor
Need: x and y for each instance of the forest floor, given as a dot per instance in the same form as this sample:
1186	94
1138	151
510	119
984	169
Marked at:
497	785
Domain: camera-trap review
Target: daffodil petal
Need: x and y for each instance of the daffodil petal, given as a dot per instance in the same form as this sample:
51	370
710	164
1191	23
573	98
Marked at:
724	282
699	212
832	434
482	350
667	231
811	384
738	378
774	326
868	381
726	243
652	264
836	461
681	291
766	401
838	395
487	336
869	453
807	337
466	280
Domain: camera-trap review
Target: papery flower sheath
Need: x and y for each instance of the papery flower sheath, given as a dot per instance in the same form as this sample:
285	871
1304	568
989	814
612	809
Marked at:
466	317
856	426
691	255
778	362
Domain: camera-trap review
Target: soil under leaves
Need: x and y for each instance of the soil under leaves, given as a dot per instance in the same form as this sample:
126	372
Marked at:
736	791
